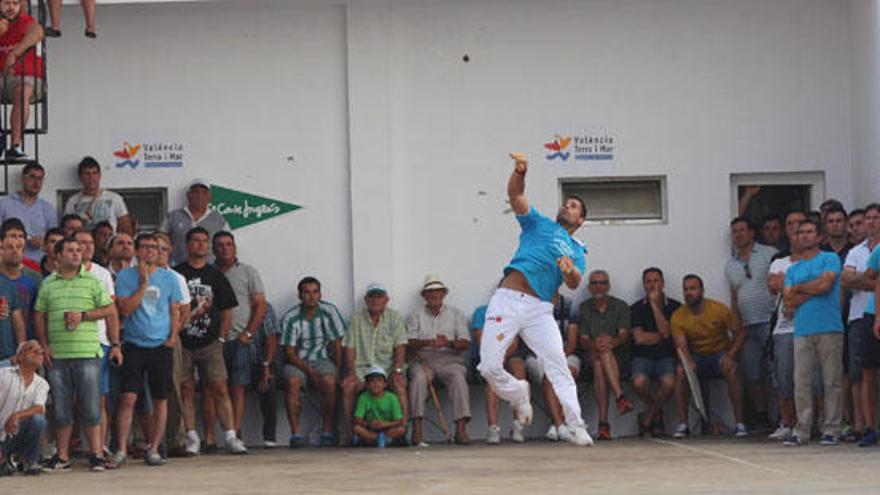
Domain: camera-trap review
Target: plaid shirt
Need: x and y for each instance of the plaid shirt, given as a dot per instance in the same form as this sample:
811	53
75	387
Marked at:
268	327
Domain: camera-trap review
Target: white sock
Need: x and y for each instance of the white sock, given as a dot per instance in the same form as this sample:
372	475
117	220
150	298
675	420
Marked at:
193	435
230	435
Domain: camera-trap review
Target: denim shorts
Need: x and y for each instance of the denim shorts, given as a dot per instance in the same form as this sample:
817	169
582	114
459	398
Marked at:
783	365
708	365
654	369
105	370
79	381
238	362
751	359
322	367
855	335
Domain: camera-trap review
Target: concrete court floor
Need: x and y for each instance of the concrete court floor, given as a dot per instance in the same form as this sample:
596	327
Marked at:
628	466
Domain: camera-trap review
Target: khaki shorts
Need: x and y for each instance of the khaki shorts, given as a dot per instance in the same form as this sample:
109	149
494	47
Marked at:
209	360
9	82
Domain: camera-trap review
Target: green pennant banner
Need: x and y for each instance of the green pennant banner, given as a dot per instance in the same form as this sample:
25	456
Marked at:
241	209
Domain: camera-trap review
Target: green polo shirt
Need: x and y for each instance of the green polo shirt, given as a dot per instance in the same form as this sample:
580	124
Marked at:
84	292
594	323
386	407
374	345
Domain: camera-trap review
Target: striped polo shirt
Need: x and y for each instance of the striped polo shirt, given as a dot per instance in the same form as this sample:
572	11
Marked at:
84	292
311	337
754	302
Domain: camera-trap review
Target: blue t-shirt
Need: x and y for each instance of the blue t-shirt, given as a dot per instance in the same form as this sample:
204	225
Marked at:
821	313
27	289
150	324
8	343
874	265
541	242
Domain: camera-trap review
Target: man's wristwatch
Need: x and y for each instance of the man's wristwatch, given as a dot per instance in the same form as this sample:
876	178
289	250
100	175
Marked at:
249	335
84	316
222	340
397	370
265	364
115	344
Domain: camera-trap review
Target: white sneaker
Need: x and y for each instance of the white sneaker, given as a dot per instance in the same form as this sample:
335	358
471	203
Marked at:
580	437
552	434
524	408
781	433
193	445
269	444
564	433
517	433
493	437
740	431
235	446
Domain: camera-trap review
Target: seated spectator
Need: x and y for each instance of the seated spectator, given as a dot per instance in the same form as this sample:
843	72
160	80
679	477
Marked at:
514	363
23	395
36	214
771	232
812	294
13	269
537	376
121	253
752	303
783	340
376	336
701	331
148	298
855	226
438	335
71	224
196	213
95	204
89	10
378	418
653	351
308	331
22	79
603	328
69	304
103	234
203	337
49	262
246	320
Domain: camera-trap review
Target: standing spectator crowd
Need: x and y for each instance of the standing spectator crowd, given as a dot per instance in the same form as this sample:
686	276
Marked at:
141	343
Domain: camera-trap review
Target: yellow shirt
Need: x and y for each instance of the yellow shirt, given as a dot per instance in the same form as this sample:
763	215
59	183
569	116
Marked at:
707	333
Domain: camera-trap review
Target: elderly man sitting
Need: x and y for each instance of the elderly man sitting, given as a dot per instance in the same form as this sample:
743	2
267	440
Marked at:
23	396
439	335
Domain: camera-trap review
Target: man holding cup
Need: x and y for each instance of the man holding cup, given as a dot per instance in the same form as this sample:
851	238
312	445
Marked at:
69	304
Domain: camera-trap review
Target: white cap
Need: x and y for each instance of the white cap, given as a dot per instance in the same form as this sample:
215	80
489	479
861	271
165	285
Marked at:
376	287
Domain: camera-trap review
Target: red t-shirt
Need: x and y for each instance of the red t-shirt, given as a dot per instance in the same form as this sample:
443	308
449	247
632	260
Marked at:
32	65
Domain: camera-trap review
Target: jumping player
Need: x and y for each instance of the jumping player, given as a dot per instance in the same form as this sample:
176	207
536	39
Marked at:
523	304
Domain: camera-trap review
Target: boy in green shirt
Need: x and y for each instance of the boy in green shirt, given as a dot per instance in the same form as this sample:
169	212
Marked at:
378	417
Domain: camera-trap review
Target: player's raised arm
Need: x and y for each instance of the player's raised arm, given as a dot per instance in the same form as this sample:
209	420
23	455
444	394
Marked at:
516	185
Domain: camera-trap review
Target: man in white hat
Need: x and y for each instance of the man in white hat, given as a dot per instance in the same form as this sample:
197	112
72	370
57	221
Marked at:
439	334
195	214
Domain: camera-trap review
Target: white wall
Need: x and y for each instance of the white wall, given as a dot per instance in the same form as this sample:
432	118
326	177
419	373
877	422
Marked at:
865	70
400	147
243	85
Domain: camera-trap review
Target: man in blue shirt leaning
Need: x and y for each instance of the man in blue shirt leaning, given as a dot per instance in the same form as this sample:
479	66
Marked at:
522	306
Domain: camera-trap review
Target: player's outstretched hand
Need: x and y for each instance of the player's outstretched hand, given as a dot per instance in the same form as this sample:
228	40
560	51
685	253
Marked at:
521	163
565	264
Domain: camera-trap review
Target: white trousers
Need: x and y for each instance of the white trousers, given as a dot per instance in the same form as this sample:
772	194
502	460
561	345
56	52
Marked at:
511	313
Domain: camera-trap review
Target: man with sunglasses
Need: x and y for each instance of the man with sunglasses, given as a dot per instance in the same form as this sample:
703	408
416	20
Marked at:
751	300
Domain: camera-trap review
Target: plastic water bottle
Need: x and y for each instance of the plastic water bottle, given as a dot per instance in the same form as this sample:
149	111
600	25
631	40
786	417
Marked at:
380	440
